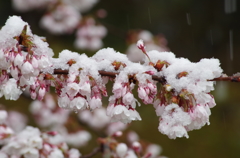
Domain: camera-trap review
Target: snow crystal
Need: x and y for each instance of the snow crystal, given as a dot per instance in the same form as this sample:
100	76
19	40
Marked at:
105	57
41	47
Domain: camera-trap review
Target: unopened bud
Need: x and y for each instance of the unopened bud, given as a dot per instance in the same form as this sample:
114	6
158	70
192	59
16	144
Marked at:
159	65
41	93
141	45
182	74
121	150
52	133
117	134
150	72
136	147
154	150
116	65
70	62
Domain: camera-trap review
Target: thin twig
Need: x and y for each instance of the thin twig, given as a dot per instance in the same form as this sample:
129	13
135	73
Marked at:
228	78
94	152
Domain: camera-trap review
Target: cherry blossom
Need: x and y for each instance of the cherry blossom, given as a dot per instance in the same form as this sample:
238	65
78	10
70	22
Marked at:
89	35
63	19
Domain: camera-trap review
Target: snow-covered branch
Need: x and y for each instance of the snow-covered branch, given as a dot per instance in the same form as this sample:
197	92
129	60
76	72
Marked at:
182	102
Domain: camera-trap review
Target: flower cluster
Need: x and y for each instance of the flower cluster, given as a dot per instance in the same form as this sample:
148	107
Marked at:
30	142
23	56
134	149
83	87
65	16
89	35
92	120
182	101
48	115
62	19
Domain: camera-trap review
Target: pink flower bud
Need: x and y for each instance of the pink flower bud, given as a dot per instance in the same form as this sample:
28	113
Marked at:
52	133
18	61
147	90
141	93
150	72
95	102
152	87
118	89
154	150
141	45
128	99
132	137
14	72
117	134
33	94
136	147
41	93
34	62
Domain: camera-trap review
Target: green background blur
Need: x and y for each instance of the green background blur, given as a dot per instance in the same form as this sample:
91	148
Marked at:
206	35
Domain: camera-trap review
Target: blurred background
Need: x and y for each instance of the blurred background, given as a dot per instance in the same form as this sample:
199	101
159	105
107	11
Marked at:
191	29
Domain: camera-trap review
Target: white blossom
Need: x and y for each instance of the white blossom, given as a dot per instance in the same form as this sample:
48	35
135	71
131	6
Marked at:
26	143
74	153
56	153
63	19
10	90
154	149
78	103
173	122
3	116
128	98
121	150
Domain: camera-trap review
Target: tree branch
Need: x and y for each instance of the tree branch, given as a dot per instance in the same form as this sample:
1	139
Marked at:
227	78
154	77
